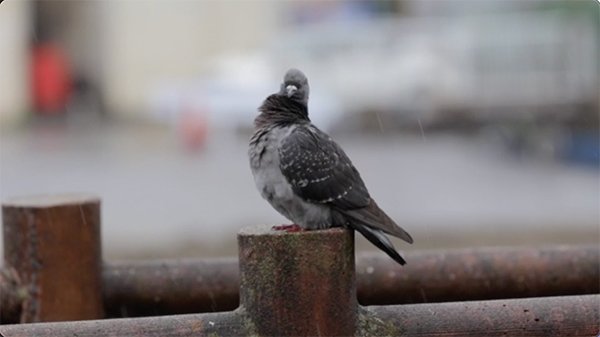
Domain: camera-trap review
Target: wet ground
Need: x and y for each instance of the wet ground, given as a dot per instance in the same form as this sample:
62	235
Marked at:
160	199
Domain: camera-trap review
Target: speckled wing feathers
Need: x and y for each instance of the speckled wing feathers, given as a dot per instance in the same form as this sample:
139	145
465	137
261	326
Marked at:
319	170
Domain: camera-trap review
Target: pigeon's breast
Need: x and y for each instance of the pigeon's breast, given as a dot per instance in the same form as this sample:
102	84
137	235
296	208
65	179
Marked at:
264	162
274	187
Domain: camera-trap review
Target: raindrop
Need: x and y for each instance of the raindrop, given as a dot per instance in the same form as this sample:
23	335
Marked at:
422	131
379	122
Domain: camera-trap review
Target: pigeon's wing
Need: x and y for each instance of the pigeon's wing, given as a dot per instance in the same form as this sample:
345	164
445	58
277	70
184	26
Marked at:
319	170
375	217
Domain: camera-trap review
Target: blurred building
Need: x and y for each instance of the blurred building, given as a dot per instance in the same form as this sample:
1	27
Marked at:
422	61
127	50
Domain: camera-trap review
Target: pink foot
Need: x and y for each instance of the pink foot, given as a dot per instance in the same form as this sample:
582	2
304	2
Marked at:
288	228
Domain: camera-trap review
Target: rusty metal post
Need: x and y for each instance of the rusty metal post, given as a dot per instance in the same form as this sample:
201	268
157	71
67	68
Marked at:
298	284
53	244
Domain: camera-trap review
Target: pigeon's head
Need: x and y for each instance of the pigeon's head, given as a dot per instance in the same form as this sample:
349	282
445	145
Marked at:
295	86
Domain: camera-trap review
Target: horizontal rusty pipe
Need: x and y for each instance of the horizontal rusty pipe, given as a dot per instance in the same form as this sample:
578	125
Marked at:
172	286
468	274
545	316
480	274
211	324
542	316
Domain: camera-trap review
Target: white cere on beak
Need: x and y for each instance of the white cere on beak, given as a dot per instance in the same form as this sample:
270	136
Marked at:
291	89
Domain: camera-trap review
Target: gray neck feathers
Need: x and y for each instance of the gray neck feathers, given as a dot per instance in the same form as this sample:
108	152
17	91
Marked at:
281	110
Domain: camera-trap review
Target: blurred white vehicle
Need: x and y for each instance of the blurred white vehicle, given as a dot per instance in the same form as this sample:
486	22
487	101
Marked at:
420	70
230	95
491	66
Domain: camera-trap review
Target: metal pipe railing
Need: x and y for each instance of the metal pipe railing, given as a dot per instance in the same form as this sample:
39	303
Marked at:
302	283
166	287
204	285
545	316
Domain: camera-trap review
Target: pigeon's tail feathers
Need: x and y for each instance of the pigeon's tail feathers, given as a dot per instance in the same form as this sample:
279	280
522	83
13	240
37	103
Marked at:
378	238
375	217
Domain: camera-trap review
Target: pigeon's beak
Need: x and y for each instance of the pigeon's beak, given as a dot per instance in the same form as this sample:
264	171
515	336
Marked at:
291	89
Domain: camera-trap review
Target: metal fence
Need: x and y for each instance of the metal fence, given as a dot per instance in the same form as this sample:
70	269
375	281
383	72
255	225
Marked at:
283	284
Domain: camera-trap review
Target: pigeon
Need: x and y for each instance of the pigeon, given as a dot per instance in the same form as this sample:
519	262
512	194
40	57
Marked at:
307	177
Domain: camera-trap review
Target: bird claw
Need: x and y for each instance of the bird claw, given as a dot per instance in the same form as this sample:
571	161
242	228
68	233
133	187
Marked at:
288	228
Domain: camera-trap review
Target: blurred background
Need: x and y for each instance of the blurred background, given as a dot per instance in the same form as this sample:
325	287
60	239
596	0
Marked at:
473	123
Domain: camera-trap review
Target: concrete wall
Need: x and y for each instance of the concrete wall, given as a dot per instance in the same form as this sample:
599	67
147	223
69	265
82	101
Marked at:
15	22
151	44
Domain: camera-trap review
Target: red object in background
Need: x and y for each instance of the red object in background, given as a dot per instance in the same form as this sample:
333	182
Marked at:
193	128
51	79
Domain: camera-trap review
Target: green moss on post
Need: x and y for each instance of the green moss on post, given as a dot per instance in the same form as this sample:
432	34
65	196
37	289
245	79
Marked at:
298	284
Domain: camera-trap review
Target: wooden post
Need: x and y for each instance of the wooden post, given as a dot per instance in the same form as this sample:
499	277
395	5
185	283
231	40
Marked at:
298	284
53	244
